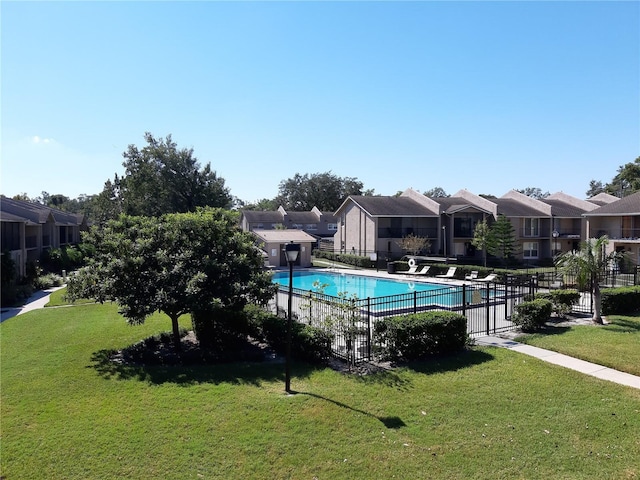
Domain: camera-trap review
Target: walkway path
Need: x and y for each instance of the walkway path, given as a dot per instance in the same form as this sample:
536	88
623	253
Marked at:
588	368
37	300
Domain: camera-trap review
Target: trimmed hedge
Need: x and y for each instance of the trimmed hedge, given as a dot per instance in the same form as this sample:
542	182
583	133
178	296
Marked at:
349	259
531	316
562	301
410	337
620	301
308	343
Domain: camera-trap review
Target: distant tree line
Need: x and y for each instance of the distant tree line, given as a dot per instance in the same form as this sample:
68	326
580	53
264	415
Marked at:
161	178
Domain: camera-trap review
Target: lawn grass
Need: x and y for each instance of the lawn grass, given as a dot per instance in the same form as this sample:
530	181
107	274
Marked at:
484	414
56	299
615	345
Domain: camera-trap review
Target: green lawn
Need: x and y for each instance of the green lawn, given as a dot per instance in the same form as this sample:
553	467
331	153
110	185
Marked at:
485	414
615	345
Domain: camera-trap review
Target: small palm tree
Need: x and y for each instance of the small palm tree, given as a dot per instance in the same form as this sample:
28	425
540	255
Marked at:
589	265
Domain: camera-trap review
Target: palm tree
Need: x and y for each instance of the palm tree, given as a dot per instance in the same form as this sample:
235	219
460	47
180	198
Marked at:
589	265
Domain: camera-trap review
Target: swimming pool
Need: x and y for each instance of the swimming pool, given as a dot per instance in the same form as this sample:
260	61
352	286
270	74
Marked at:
358	285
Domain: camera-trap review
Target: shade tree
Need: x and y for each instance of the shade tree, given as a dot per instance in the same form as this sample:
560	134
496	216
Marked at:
175	264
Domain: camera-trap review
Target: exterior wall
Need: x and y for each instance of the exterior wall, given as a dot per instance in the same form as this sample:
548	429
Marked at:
356	232
276	258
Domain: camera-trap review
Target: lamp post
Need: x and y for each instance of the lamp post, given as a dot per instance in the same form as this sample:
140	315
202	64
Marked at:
444	242
291	251
555	235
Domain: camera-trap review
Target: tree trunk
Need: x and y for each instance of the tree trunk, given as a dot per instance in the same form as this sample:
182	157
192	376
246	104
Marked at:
597	304
177	344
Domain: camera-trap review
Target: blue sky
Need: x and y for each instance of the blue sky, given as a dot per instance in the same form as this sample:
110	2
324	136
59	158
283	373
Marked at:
486	96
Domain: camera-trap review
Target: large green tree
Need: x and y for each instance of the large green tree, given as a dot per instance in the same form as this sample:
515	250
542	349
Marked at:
325	191
483	239
161	178
175	264
503	243
589	265
625	182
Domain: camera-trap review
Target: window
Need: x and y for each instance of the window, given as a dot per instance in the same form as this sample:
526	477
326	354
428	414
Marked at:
530	250
332	227
531	227
311	226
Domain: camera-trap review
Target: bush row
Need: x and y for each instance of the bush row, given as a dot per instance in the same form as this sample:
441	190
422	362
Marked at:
410	337
620	301
347	258
223	329
562	301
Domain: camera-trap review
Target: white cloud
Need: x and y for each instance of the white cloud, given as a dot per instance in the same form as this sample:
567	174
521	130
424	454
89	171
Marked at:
37	139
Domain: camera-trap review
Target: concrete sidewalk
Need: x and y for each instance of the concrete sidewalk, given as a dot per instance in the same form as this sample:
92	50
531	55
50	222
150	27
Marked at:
37	300
588	368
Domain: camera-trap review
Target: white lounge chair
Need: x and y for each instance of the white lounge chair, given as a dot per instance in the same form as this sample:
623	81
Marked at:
472	276
450	273
418	270
489	278
423	270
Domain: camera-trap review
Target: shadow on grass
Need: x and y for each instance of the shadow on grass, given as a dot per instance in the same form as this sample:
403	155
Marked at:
624	325
106	364
465	359
389	422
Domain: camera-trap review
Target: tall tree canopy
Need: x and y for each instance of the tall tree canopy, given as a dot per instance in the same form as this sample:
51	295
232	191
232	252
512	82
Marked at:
534	192
175	264
325	191
160	178
625	182
436	192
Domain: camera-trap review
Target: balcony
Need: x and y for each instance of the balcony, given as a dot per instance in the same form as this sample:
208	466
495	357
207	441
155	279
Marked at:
431	233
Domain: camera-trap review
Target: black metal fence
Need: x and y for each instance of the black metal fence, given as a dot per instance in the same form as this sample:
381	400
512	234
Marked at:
488	308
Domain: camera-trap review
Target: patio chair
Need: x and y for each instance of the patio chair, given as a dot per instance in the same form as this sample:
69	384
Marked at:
489	278
472	276
412	269
450	273
418	270
423	270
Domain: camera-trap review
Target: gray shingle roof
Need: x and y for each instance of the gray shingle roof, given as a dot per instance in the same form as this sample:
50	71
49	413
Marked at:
391	206
255	216
36	213
510	207
563	209
629	205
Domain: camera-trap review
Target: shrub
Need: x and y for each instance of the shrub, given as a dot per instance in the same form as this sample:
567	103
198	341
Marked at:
620	301
349	259
409	337
47	281
308	343
562	301
220	328
531	316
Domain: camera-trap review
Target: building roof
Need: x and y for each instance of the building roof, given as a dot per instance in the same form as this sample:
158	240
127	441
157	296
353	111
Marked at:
629	205
390	206
284	236
302	217
510	207
258	216
36	213
603	199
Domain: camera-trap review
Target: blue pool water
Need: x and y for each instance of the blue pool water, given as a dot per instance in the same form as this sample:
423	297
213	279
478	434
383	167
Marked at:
361	286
